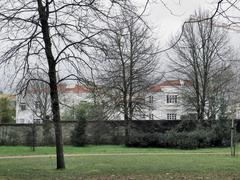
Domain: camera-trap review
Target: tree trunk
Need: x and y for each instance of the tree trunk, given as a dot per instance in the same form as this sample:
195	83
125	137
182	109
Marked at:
126	119
126	116
57	124
130	93
127	132
43	14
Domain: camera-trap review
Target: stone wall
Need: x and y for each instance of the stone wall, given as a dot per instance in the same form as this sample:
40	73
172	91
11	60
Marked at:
97	132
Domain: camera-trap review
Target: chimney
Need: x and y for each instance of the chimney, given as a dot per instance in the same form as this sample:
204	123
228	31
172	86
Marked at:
181	82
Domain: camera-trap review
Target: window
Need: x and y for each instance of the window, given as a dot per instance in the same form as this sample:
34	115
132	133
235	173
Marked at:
21	121
150	101
22	106
172	99
37	105
237	114
150	116
37	121
143	116
150	98
171	116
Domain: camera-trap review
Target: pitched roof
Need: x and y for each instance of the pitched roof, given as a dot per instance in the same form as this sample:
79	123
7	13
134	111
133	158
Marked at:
168	83
171	83
76	89
62	88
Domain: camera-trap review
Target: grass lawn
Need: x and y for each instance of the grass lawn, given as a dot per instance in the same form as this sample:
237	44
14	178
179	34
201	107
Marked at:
24	150
144	166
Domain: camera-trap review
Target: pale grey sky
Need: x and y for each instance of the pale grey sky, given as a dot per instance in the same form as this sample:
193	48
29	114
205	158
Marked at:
167	16
167	19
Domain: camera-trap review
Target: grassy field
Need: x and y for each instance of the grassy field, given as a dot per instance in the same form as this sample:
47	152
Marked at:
24	150
173	165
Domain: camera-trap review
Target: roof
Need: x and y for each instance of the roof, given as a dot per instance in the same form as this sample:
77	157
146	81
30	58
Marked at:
62	88
168	83
75	89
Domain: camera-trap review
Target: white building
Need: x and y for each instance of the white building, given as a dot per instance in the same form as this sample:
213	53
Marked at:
24	115
165	98
31	106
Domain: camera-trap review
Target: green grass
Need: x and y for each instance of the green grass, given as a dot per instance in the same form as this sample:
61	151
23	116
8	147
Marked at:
168	166
24	150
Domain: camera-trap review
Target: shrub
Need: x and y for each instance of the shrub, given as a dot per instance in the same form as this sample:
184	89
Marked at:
223	131
186	126
182	140
185	141
187	135
143	139
78	135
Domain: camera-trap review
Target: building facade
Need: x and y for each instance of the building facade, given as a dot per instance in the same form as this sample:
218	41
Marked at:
163	99
36	104
164	102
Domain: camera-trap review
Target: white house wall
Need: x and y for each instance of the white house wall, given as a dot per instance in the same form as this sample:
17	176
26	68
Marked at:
160	106
67	99
23	116
70	99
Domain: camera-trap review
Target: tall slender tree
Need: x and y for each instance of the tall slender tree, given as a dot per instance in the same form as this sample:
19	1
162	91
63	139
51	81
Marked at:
201	55
127	62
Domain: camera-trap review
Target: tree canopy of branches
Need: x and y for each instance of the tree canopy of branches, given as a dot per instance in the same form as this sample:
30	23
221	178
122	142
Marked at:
48	35
201	56
228	11
37	98
126	65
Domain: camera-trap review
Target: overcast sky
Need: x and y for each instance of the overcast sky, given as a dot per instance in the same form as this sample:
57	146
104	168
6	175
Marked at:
167	19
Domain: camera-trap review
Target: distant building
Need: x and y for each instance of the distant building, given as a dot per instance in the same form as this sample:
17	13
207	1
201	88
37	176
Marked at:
32	106
163	99
166	101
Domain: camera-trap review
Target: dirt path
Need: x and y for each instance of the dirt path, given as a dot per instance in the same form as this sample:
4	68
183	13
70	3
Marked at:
110	154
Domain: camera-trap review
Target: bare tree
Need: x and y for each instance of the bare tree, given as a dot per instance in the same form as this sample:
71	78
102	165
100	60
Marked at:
126	66
51	34
37	98
219	93
228	12
201	56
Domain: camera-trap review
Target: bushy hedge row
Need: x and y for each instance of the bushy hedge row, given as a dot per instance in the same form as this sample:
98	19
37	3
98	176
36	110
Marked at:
187	135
